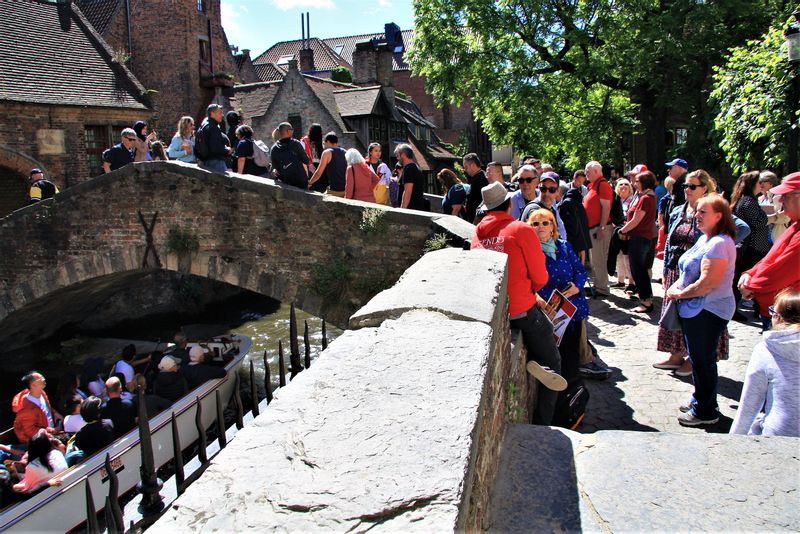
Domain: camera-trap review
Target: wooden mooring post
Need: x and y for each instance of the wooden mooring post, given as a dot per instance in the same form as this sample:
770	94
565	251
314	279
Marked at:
150	486
113	511
281	366
202	443
92	527
307	346
253	389
324	336
223	440
267	380
294	346
177	453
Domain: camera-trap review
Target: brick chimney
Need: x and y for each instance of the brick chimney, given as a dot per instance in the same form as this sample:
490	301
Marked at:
307	60
372	64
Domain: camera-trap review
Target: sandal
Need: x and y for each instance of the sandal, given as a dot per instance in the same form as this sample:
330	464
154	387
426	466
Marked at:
644	308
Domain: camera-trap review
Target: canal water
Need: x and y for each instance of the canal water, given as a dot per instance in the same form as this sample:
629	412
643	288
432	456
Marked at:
265	320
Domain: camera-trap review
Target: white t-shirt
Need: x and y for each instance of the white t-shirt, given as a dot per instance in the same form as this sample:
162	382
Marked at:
42	404
125	368
73	423
36	475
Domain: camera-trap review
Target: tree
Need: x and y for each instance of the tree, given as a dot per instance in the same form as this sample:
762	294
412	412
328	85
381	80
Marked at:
342	74
591	66
750	93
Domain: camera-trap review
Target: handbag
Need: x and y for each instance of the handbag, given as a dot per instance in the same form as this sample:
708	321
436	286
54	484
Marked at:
381	193
670	320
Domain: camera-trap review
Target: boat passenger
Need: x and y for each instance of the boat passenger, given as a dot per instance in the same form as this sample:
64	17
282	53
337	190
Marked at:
198	371
121	412
179	351
96	434
45	462
153	404
170	383
73	421
32	408
90	377
128	362
68	386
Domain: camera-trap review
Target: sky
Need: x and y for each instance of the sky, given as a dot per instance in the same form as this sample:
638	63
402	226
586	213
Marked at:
259	24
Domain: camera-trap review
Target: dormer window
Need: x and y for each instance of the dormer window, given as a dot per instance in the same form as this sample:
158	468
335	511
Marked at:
284	60
339	49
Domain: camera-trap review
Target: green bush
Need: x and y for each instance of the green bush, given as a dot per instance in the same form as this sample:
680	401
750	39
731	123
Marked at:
181	241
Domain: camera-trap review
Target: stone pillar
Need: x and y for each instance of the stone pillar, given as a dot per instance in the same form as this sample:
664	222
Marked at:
364	68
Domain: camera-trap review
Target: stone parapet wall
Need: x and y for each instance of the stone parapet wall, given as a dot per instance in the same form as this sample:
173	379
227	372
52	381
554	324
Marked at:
397	426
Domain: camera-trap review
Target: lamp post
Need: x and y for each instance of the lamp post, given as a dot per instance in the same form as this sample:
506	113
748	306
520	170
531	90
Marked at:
792	34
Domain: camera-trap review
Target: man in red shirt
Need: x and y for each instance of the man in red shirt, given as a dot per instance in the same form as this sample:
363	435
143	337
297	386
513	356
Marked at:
527	273
597	204
780	268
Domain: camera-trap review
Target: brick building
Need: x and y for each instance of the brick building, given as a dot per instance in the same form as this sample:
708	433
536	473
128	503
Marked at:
455	124
65	98
177	49
359	114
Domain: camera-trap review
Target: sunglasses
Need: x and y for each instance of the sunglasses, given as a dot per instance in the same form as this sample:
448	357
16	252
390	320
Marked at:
691	186
772	312
545	189
543	223
527	180
131	138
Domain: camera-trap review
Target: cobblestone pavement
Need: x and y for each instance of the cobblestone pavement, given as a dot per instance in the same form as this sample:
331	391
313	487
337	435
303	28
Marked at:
640	397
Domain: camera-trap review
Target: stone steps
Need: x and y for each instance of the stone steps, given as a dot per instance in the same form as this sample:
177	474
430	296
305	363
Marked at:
555	480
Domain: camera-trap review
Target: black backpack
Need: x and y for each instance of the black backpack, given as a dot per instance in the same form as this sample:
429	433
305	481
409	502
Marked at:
200	143
617	216
571	405
289	166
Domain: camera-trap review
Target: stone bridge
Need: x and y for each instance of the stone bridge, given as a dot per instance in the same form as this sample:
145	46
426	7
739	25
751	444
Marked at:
328	255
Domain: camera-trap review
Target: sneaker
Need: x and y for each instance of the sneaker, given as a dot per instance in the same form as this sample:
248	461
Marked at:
688	419
594	371
549	378
685	407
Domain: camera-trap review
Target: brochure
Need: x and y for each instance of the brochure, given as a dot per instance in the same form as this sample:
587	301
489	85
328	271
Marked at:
560	311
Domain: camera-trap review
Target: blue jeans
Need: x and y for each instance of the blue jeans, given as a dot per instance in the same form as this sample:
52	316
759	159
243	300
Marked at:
701	334
638	249
216	165
540	345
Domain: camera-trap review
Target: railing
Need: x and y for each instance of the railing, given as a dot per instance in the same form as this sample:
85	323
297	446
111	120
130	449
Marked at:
152	503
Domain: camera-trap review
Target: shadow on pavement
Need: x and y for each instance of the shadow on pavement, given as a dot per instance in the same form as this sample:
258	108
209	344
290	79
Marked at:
536	486
607	409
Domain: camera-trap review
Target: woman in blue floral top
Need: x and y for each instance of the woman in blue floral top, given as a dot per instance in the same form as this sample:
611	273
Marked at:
566	274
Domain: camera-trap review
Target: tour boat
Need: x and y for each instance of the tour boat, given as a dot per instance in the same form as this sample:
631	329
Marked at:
63	507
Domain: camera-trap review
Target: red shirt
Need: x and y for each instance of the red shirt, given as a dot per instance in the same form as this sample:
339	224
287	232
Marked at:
778	270
647	226
600	189
527	271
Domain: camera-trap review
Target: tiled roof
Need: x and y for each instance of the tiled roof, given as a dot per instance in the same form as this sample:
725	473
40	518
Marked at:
325	91
99	12
254	99
411	112
50	54
269	71
325	59
355	102
349	43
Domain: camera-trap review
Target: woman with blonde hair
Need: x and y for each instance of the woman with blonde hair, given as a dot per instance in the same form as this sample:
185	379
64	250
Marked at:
360	179
182	145
772	380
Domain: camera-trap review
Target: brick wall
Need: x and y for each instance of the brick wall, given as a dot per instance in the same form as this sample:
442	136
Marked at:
251	233
23	144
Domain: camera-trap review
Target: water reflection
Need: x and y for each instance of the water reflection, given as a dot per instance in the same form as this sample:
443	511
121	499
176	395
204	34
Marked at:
267	330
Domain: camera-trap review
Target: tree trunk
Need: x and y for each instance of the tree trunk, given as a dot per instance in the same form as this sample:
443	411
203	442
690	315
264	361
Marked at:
654	120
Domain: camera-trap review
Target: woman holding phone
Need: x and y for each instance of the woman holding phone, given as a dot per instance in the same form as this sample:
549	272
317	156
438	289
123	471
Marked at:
567	275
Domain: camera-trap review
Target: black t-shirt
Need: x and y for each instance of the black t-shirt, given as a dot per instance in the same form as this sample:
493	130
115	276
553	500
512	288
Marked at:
122	413
474	199
94	436
118	156
336	170
245	150
413	175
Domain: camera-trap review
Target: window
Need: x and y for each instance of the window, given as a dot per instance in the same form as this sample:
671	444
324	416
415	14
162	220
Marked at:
205	51
297	124
399	132
680	135
378	130
96	143
339	49
201	6
283	60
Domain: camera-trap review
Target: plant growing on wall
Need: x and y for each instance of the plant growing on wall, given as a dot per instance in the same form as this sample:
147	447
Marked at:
181	241
436	242
329	279
373	221
341	74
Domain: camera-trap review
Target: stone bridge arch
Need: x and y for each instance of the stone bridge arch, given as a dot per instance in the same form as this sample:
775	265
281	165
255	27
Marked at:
321	252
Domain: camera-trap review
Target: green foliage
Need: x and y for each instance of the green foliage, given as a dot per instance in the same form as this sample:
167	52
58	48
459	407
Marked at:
181	241
514	410
373	221
562	80
436	242
372	285
750	97
342	74
329	280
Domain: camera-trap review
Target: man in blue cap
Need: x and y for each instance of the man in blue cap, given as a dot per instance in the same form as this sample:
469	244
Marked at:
677	170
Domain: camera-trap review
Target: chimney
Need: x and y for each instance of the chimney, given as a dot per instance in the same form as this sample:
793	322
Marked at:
393	35
307	60
246	52
372	64
292	64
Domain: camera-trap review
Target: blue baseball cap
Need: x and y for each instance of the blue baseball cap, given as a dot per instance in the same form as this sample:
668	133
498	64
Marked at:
678	161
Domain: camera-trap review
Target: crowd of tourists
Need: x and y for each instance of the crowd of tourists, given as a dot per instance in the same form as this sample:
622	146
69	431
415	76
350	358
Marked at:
573	235
93	409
